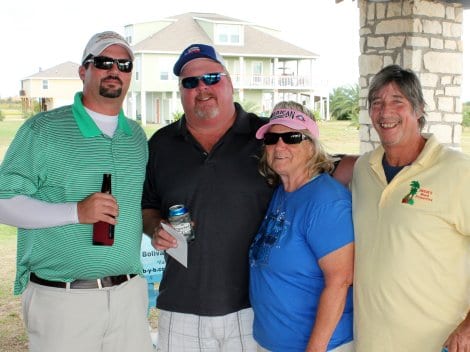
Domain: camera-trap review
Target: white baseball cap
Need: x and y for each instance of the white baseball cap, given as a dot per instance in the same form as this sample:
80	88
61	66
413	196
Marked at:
101	41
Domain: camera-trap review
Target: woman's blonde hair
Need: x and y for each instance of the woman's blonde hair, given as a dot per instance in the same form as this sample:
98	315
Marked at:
318	163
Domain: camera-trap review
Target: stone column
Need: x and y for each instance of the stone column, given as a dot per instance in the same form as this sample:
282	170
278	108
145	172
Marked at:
421	35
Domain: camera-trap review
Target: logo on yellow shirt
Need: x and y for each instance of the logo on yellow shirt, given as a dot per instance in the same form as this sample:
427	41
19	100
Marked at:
408	199
416	192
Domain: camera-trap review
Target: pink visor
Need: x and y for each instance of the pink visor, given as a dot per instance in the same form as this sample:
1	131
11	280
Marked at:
290	118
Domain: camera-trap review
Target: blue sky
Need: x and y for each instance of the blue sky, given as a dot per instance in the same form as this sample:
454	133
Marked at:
45	33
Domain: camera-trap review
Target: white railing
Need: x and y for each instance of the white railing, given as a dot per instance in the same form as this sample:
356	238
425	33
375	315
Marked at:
276	82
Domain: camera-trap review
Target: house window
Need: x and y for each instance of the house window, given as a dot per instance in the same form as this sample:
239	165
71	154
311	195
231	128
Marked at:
257	68
165	66
229	34
129	34
257	72
45	84
137	68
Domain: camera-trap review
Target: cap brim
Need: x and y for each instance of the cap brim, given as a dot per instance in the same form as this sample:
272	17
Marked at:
284	122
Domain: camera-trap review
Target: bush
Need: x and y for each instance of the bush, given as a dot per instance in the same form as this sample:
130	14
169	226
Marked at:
316	114
177	115
466	115
33	109
2	116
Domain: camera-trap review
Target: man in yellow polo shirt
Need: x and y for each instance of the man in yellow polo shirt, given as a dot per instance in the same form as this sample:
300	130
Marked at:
411	209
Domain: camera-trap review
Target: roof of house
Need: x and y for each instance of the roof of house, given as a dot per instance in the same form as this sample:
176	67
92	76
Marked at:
63	71
185	30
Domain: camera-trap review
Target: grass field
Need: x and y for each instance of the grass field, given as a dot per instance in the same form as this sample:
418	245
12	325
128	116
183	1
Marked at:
8	129
337	137
12	334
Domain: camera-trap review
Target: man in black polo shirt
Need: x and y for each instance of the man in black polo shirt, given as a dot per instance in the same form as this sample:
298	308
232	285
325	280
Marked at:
208	162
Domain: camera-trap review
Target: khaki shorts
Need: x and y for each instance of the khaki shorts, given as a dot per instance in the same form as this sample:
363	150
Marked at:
92	320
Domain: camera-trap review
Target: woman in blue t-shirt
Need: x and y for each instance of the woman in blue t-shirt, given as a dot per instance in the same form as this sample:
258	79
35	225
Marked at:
301	260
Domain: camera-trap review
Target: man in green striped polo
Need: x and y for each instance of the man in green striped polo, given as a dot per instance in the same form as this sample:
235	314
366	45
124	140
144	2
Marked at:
78	296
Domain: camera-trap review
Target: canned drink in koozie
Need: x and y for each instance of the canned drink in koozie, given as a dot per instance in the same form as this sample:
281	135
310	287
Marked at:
180	219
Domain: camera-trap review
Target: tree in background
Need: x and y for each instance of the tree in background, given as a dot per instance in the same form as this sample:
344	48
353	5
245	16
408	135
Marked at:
344	103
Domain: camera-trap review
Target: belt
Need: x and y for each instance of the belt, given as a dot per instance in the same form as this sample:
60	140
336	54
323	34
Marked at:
107	281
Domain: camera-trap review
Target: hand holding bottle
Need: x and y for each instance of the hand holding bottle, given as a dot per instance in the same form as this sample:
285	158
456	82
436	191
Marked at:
98	207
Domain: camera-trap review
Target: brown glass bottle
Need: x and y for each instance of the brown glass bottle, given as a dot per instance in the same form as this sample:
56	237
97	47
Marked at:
103	233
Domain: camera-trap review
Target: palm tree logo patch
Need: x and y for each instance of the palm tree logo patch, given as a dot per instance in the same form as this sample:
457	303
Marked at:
414	188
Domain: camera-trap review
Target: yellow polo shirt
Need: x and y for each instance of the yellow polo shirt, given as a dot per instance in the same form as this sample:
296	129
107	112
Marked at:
412	265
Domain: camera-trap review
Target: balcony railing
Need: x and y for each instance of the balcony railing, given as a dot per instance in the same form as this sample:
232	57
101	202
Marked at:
277	82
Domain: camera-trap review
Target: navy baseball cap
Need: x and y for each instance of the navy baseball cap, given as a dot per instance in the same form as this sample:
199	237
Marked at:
196	51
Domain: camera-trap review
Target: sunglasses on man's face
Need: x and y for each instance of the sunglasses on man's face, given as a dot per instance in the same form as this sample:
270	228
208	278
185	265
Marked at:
209	79
272	138
106	63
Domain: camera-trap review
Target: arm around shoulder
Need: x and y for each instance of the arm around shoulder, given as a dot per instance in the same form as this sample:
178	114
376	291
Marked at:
344	171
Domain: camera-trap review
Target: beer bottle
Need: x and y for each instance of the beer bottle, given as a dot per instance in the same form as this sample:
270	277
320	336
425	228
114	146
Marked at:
103	233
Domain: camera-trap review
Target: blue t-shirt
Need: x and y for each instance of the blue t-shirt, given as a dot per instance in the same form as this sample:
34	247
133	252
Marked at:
286	281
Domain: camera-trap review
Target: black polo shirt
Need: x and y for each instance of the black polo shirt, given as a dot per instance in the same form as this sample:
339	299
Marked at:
227	198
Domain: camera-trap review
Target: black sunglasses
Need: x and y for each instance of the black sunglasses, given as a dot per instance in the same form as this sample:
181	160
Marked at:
106	63
272	138
208	79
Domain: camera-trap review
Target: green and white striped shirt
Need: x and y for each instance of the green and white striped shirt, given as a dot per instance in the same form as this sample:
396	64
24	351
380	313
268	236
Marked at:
60	156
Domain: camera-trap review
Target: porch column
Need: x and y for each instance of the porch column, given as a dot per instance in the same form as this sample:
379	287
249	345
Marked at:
143	108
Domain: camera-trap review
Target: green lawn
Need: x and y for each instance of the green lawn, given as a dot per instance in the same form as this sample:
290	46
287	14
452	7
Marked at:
339	137
8	129
12	334
336	136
